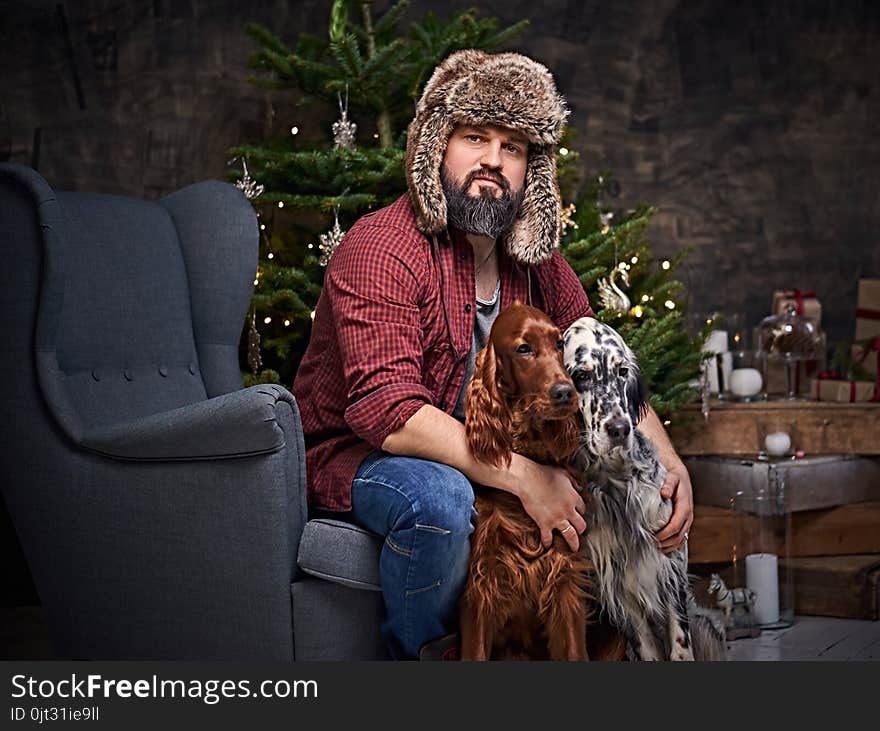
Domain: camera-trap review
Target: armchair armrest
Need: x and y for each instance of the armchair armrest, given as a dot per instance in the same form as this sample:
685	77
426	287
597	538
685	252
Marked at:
237	424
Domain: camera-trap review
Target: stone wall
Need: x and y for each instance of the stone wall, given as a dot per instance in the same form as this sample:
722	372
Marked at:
749	125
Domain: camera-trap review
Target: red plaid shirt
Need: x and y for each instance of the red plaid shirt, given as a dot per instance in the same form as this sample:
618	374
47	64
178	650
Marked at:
380	348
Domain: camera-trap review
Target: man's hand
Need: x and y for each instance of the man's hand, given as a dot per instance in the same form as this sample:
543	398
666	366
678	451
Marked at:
551	500
677	486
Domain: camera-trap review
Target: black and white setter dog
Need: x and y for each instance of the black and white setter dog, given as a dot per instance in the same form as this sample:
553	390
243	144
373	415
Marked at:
644	591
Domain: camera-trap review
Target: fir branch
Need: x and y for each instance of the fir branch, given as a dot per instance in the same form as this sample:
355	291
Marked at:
388	23
266	38
348	56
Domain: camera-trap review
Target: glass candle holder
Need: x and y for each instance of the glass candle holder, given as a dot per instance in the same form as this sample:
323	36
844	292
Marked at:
745	382
763	550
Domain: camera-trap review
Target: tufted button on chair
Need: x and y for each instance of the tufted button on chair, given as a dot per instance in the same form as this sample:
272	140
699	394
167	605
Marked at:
161	507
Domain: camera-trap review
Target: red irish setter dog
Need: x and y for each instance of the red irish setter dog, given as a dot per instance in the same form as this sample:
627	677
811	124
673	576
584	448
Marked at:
522	600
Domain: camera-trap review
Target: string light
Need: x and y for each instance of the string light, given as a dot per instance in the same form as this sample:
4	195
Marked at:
256	282
262	227
375	135
270	255
622	265
294	130
666	264
563	151
311	246
667	422
635	260
670	305
281	204
645	298
312	314
267	320
638	311
287	323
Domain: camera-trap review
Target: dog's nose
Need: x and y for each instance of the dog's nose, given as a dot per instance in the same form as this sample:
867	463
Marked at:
561	393
618	430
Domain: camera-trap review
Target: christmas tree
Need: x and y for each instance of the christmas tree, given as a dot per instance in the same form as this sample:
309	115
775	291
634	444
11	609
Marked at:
371	74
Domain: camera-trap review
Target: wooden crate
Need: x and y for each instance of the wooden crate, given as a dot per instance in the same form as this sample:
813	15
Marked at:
845	529
815	427
837	586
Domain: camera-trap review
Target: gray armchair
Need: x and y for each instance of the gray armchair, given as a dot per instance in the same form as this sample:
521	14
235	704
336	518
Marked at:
161	507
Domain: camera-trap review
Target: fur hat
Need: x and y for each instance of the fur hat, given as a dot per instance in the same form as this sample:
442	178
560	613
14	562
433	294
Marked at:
506	89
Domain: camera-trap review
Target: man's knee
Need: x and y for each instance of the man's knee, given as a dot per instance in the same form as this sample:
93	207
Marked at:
447	503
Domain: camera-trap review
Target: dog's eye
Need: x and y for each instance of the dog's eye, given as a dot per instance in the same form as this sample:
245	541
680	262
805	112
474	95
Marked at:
623	370
524	349
560	345
582	376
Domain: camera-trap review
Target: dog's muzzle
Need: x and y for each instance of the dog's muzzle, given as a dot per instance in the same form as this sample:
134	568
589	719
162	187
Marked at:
561	394
618	431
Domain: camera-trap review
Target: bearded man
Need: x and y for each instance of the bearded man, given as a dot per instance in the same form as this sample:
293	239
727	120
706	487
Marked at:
409	298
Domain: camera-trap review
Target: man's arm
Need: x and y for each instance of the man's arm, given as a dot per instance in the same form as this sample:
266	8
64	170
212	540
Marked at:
677	485
547	493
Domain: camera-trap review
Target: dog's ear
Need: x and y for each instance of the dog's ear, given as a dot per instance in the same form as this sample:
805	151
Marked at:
636	396
486	416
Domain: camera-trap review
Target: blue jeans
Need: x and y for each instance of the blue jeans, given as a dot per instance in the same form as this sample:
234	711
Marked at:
425	511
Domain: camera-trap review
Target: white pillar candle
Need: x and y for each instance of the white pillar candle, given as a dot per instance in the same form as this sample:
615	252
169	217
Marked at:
726	370
762	577
724	362
716	342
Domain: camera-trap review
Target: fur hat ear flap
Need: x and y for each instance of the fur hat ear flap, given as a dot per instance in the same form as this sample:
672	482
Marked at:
426	145
536	232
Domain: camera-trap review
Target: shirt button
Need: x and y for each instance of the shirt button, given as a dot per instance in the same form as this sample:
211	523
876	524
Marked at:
467	308
127	374
163	371
462	256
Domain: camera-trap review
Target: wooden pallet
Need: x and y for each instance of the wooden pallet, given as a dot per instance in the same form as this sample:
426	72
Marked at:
815	427
845	529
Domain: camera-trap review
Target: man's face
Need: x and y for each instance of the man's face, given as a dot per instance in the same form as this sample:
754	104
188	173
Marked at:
489	157
483	174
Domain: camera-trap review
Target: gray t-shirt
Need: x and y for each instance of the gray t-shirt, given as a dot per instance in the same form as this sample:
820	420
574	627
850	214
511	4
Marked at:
485	316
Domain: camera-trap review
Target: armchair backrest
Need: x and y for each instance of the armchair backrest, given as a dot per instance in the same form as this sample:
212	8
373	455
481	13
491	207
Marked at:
141	302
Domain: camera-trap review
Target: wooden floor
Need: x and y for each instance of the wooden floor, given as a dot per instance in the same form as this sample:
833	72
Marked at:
812	638
23	637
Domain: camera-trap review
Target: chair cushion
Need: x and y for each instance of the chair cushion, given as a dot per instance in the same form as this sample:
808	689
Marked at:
340	552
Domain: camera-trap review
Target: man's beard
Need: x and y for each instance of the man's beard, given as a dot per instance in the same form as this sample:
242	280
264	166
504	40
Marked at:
483	215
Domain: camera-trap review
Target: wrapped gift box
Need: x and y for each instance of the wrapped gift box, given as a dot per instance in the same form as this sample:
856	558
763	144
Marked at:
868	309
827	389
804	301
